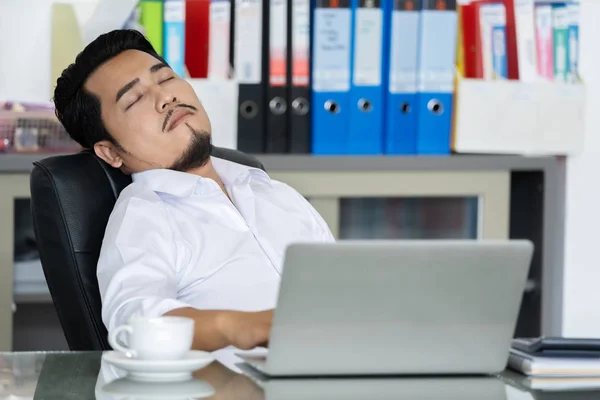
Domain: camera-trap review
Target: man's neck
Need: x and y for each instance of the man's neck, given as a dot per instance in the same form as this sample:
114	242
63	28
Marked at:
208	171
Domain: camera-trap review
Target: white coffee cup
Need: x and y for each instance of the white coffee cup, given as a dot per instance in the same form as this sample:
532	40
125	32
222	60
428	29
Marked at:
160	338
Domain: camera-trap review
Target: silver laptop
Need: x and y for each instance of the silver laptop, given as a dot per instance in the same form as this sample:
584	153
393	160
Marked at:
396	307
447	388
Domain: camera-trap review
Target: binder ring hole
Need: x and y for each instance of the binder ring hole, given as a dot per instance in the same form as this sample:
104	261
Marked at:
300	106
405	108
435	107
278	105
332	107
248	109
364	105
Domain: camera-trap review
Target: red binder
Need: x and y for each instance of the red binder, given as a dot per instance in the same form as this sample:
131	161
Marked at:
512	54
472	40
196	32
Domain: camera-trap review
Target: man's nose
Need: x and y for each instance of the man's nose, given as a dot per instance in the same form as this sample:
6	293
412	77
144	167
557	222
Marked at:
163	100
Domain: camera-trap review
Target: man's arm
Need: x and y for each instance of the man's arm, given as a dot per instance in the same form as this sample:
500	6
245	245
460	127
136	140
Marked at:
138	271
216	329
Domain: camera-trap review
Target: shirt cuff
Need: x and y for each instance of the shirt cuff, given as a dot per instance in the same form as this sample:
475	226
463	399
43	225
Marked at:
147	307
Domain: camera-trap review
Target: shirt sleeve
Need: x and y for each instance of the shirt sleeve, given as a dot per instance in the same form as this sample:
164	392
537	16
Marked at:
321	230
139	263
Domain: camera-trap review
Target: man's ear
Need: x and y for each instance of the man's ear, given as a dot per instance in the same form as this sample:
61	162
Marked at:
109	153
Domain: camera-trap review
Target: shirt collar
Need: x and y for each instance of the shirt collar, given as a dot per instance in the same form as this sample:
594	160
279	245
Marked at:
183	184
232	173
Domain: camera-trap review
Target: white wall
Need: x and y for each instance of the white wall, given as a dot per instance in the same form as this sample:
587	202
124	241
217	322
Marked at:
25	28
25	41
21	78
581	308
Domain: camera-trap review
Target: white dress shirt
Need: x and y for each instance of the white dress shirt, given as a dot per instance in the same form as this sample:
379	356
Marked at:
175	240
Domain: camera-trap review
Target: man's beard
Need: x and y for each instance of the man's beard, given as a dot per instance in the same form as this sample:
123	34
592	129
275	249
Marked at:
197	154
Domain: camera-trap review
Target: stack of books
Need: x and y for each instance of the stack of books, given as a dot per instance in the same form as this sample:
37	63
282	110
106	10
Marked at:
557	363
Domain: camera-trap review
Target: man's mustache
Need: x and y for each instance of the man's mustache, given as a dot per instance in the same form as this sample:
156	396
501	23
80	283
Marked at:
170	113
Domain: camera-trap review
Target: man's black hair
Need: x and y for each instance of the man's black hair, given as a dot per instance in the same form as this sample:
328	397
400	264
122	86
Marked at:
76	108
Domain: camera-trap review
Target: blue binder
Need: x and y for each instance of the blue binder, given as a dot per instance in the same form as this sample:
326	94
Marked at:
330	76
435	80
365	132
174	35
573	46
499	51
401	103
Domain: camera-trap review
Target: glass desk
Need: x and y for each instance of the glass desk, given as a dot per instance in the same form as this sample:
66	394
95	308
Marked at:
83	375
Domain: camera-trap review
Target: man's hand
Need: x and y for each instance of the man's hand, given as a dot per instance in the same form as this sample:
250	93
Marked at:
246	330
218	329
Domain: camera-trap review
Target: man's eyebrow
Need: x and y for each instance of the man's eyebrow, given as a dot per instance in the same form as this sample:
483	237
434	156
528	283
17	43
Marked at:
126	88
131	84
158	66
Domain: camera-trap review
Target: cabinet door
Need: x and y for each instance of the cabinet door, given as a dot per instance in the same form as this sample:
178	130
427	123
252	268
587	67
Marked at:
409	218
408	204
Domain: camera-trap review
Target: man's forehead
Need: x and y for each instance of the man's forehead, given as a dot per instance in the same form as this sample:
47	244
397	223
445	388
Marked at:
119	70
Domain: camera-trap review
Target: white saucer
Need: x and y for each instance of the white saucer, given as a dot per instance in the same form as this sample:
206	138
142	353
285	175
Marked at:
194	388
159	370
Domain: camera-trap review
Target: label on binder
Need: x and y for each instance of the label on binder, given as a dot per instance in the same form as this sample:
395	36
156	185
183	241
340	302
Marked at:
331	63
218	39
300	42
278	42
174	11
437	62
368	35
248	41
404	51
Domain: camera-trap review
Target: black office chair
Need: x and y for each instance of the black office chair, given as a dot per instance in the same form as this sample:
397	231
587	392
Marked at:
72	197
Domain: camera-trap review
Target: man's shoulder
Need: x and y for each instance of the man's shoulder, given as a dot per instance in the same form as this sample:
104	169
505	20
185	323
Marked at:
137	192
135	201
284	189
138	210
279	185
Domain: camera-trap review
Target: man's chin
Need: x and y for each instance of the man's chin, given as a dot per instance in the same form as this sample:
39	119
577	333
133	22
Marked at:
192	160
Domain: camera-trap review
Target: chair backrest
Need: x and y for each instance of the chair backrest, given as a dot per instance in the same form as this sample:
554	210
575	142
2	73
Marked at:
72	197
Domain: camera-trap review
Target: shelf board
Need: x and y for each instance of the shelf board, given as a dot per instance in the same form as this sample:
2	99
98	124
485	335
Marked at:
30	298
19	163
23	163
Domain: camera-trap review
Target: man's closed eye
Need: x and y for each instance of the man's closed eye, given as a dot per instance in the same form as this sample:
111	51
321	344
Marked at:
140	97
136	100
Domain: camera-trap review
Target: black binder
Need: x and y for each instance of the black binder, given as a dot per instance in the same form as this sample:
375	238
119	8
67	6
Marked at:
277	77
248	62
299	50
